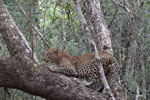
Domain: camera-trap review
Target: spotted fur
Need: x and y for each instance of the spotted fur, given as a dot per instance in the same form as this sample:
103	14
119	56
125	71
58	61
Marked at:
83	66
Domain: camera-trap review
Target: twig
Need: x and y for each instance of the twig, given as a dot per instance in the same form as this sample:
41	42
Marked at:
1	47
113	18
23	12
122	6
48	6
54	12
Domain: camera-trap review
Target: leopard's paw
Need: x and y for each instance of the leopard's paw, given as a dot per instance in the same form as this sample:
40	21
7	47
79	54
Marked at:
53	68
86	83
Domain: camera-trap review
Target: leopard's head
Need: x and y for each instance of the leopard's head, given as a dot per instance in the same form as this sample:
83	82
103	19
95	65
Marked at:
52	55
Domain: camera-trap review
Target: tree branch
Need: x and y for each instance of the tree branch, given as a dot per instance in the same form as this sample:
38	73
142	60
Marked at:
21	73
122	6
23	12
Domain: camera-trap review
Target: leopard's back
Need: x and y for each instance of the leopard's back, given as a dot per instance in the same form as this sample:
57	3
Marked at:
86	65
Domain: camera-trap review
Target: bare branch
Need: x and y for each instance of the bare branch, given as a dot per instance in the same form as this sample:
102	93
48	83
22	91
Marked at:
23	12
122	6
142	69
114	16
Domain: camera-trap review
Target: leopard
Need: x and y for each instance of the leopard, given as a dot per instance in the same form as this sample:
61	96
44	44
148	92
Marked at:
83	66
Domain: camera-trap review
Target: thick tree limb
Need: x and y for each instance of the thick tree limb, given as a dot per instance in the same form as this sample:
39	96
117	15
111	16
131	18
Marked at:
21	73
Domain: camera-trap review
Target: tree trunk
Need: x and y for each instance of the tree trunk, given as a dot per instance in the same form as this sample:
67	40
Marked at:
96	17
113	76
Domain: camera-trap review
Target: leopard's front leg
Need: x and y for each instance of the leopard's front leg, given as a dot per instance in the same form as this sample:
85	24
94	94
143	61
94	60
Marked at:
69	71
93	79
87	84
55	69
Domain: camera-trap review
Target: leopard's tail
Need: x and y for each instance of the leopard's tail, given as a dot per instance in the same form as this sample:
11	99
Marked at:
122	80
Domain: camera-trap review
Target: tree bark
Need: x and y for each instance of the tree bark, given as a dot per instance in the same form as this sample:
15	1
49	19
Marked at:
20	72
96	17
